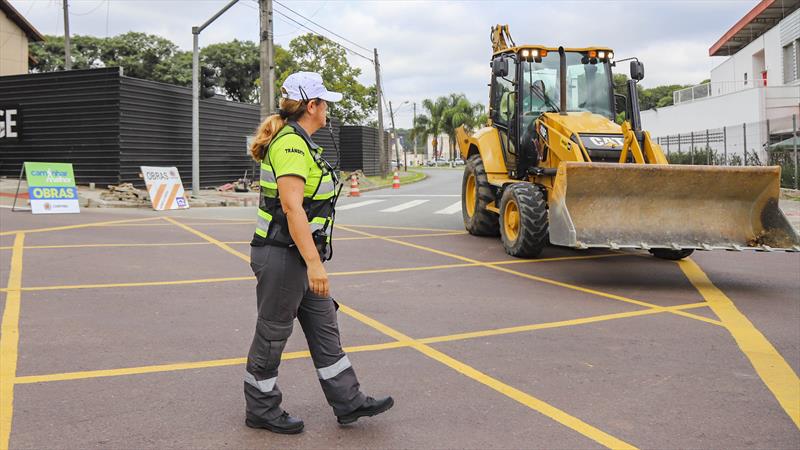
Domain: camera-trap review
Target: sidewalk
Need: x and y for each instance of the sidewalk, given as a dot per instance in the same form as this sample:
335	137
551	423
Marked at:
93	198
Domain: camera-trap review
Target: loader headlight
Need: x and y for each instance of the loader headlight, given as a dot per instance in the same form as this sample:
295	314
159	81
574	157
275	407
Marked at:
526	53
601	54
610	55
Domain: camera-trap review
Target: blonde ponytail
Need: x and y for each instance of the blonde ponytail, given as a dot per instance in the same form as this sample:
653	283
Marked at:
290	110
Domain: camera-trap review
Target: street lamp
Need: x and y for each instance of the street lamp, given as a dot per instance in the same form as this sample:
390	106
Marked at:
394	137
196	98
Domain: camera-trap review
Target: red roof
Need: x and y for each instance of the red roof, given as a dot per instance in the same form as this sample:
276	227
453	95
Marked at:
765	15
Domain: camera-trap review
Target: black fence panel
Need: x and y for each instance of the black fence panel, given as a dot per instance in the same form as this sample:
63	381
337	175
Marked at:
156	130
360	149
108	125
64	117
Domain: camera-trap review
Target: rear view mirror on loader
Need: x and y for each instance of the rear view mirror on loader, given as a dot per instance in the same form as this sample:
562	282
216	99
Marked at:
500	67
637	70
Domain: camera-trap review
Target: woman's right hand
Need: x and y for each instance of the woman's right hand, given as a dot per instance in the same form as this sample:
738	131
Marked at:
318	279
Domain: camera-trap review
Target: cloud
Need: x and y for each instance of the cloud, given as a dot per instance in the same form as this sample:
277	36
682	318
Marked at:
432	48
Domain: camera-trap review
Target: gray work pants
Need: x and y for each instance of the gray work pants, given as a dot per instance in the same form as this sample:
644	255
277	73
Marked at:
282	294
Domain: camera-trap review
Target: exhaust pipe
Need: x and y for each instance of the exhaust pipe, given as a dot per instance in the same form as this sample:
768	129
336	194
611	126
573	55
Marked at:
562	79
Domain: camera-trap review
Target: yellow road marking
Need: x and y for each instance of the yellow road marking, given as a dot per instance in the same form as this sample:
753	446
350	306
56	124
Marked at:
72	227
50	247
180	366
384	227
331	274
528	400
9	341
774	371
188	223
538	278
361	348
173	244
558	324
210	239
132	284
362	238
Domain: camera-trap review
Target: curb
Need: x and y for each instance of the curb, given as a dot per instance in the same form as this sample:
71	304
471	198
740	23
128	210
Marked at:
375	188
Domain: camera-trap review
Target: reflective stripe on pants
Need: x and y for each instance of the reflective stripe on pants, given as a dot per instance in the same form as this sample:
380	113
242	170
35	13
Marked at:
282	294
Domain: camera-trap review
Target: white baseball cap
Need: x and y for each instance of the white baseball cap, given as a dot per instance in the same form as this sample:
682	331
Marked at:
306	86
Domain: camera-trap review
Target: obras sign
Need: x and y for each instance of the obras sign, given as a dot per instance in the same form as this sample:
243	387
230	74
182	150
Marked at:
10	123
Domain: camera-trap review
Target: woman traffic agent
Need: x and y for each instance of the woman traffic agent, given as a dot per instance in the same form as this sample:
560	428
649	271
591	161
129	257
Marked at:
289	246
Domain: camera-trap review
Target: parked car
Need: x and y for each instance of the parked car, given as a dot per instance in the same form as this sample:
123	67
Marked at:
459	162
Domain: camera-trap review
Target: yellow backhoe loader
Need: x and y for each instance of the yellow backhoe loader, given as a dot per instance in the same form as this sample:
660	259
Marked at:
553	166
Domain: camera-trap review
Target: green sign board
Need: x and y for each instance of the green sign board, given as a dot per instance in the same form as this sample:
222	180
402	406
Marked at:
51	188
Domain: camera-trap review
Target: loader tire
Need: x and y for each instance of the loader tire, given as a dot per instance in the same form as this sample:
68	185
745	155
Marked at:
476	194
672	255
523	220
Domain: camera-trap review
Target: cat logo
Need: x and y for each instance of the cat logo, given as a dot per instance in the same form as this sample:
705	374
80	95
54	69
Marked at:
605	141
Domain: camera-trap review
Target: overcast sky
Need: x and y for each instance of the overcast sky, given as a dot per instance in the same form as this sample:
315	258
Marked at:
432	48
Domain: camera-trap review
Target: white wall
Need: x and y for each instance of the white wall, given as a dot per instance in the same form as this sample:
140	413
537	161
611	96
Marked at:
729	75
713	112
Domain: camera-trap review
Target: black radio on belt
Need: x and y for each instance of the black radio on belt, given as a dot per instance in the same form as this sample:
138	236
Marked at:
323	246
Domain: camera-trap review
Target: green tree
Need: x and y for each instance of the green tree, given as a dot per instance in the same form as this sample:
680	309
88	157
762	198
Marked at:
238	67
140	55
314	53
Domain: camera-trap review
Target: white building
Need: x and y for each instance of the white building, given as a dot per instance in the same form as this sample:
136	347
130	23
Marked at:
758	82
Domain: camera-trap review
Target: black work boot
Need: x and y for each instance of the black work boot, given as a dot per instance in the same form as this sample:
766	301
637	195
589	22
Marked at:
371	407
283	424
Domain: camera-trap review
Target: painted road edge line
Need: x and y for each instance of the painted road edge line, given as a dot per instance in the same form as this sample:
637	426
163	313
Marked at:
9	341
773	369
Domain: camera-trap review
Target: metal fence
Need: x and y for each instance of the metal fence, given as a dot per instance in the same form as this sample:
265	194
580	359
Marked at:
770	142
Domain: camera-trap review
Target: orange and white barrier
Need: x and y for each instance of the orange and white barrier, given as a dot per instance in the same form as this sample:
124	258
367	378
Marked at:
354	192
396	181
165	188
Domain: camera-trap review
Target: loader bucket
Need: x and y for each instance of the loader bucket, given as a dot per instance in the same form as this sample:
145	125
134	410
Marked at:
668	206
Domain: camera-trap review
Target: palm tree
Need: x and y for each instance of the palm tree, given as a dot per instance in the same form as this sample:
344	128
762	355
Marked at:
460	111
432	122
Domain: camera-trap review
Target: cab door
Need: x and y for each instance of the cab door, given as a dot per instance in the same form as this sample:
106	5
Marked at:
503	106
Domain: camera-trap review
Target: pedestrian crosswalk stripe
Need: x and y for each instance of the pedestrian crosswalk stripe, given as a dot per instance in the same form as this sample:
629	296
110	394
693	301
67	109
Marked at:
357	205
404	206
452	209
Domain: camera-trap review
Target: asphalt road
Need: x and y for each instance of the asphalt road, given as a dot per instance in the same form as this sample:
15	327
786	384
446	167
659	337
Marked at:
128	329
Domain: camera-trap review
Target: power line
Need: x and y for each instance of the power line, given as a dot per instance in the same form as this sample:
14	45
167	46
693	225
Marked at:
319	34
90	11
326	29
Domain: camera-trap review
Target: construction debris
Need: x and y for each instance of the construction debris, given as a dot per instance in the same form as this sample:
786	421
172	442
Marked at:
125	192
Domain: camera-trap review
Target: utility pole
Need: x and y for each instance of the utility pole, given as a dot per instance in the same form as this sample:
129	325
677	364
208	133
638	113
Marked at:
381	147
196	97
395	138
67	57
267	51
414	129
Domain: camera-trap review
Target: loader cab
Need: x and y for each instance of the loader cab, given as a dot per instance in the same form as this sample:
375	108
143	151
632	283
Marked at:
527	82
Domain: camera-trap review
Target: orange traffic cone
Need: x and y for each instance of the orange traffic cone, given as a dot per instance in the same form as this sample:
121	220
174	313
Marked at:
396	181
354	192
